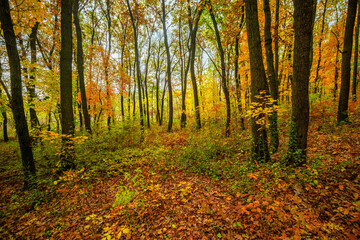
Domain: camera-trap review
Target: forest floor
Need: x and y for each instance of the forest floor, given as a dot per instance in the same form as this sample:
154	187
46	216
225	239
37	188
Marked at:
186	185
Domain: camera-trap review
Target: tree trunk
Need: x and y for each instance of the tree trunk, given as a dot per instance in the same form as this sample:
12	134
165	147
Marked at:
193	25
314	8
137	60
147	112
342	116
276	44
80	67
17	105
237	74
66	99
34	121
5	120
168	68
223	72
356	56
316	90
303	15
274	91
259	85
5	132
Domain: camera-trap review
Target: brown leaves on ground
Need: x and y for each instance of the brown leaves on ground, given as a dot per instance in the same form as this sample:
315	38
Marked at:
169	203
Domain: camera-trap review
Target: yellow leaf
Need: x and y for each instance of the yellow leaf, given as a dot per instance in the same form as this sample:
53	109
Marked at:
126	230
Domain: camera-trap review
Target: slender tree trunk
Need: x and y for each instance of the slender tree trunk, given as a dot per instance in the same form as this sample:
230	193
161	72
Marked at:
3	113
49	121
137	60
259	86
314	8
193	32
343	116
223	73
107	65
168	68
34	121
17	105
356	56
184	70
316	90
5	132
276	44
238	84
303	16
274	91
66	98
147	112
237	74
80	67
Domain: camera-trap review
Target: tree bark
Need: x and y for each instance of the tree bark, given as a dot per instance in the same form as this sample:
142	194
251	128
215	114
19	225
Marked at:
303	15
276	44
274	91
80	67
66	98
356	57
259	85
223	72
193	25
17	105
342	115
34	121
316	90
237	74
3	113
137	60
168	68
147	111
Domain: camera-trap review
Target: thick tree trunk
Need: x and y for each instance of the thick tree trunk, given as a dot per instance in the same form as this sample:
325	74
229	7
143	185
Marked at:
17	105
342	116
303	16
80	67
259	85
66	98
274	91
223	72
